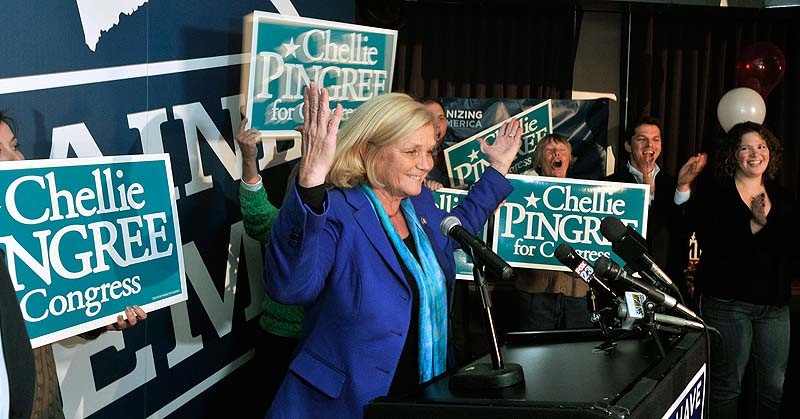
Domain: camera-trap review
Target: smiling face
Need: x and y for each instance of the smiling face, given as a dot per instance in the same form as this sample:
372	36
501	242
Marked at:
9	148
752	156
555	158
644	147
403	166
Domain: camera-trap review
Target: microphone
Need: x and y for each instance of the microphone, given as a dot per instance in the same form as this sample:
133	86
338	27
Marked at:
451	226
580	266
631	247
634	310
607	268
677	321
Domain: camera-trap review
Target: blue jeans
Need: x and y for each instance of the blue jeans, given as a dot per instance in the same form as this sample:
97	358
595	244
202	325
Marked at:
544	311
746	332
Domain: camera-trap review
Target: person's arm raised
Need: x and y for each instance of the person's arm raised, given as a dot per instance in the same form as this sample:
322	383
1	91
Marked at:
503	150
247	140
689	171
320	127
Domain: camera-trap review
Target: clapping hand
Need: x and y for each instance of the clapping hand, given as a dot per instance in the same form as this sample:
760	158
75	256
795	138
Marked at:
759	207
690	170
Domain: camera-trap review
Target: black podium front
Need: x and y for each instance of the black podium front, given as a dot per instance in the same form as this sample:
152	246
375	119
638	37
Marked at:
566	376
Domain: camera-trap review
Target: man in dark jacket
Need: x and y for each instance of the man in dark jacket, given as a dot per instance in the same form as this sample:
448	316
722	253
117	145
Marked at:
668	241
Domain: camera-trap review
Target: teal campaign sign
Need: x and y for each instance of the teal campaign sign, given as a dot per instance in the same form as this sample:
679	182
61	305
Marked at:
543	212
446	199
286	53
86	237
466	163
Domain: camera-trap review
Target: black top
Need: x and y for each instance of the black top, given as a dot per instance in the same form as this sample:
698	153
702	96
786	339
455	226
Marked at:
735	263
406	375
667	233
16	348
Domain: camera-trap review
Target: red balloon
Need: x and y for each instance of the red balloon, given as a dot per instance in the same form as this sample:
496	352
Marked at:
760	67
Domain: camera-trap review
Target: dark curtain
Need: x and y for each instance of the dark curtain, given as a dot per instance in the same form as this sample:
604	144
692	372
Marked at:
479	49
682	61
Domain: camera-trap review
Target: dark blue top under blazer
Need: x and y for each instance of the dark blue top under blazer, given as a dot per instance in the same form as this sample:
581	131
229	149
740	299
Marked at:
340	265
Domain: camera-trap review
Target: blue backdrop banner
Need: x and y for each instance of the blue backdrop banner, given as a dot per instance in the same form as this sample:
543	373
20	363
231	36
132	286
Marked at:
144	77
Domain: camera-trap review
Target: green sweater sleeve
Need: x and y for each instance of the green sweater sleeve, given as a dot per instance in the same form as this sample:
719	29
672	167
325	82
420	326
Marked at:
258	213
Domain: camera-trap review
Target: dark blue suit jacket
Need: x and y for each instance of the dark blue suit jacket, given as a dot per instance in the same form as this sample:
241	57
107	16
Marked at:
341	266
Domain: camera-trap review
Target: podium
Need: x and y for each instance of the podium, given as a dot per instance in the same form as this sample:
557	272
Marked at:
566	376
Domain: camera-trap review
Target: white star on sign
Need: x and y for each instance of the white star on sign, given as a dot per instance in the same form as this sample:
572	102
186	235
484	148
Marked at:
532	200
474	155
289	48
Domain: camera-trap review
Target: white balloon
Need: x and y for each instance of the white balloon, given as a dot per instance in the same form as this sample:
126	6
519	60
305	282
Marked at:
741	104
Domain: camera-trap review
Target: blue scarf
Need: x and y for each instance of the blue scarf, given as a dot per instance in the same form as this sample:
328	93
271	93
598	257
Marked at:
431	283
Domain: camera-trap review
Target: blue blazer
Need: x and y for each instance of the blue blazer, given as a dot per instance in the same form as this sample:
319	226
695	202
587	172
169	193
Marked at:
341	266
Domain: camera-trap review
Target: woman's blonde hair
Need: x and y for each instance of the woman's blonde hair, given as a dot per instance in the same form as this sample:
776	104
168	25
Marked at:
377	123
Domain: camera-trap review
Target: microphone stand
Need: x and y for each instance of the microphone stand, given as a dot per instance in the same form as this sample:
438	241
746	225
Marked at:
480	375
596	314
647	325
652	329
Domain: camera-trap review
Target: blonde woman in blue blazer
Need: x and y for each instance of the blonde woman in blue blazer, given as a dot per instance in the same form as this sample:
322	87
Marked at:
357	243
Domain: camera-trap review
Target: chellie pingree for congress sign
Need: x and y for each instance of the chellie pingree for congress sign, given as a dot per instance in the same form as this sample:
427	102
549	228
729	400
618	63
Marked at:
86	237
466	162
286	53
543	212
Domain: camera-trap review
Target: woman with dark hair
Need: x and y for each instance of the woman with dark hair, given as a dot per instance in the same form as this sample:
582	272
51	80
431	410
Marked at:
47	394
744	223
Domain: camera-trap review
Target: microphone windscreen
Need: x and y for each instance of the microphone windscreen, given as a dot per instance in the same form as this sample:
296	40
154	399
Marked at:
448	223
612	229
607	269
563	253
602	265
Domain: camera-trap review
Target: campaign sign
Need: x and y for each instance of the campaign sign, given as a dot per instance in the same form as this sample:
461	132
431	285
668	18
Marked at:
353	62
466	163
583	122
86	237
690	404
543	212
446	199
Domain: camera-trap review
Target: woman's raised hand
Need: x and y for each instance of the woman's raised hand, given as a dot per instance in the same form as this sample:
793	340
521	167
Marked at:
320	127
503	150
